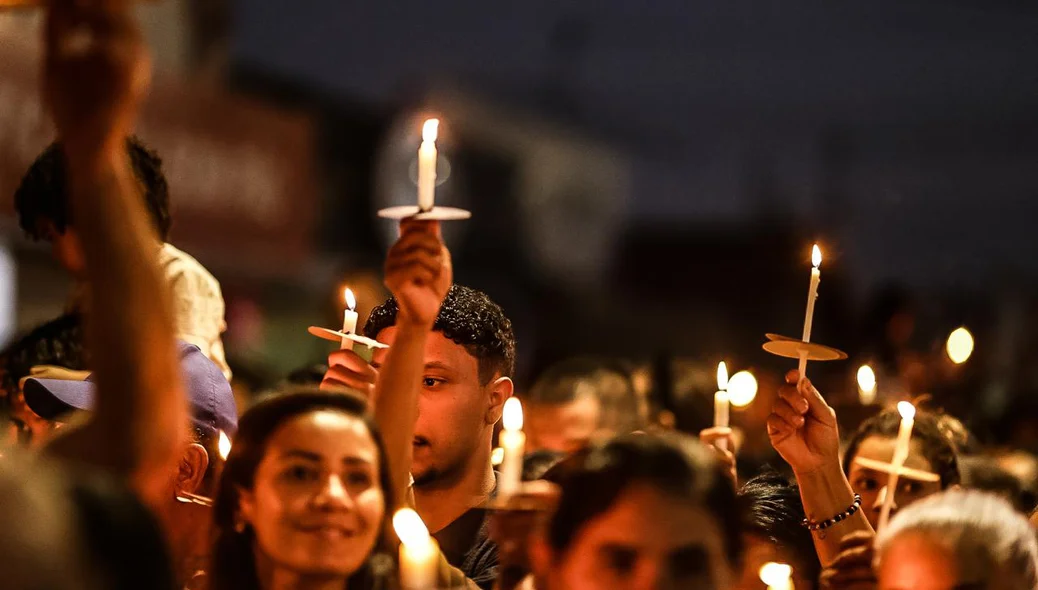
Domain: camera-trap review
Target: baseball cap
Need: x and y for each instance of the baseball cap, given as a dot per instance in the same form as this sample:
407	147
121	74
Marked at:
209	393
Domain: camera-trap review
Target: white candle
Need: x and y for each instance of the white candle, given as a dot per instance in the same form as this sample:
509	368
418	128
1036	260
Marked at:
812	296
419	554
427	165
513	442
349	319
777	576
722	403
901	450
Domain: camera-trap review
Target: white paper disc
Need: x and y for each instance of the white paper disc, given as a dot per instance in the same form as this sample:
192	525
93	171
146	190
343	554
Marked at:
434	214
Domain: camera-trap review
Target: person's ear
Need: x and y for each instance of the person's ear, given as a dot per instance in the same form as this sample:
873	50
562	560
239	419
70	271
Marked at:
192	470
501	389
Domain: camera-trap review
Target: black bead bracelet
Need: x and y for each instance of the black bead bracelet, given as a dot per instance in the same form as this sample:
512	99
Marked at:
812	525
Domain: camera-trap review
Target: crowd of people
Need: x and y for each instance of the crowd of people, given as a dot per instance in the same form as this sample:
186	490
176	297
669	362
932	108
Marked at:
129	464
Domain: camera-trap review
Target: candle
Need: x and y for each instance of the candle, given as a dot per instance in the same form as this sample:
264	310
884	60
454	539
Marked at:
866	385
721	403
427	165
419	555
777	576
812	296
513	441
224	445
349	319
901	450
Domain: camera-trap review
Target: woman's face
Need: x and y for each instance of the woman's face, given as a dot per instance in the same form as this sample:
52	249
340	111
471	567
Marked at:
913	562
316	505
646	540
872	484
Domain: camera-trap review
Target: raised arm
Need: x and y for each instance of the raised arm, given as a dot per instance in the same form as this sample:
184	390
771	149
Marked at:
419	274
802	428
96	73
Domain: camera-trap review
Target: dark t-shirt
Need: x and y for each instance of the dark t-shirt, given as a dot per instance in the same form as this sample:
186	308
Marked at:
467	546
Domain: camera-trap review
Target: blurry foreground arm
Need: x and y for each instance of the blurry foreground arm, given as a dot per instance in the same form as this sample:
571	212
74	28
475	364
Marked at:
802	428
96	73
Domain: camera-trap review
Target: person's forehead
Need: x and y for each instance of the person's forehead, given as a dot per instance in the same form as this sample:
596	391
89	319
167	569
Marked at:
331	435
652	521
881	448
438	349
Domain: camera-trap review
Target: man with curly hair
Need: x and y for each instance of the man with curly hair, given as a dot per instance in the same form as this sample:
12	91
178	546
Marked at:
463	367
44	214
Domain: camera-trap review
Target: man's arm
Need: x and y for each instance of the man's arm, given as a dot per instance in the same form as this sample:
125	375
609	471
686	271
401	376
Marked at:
93	92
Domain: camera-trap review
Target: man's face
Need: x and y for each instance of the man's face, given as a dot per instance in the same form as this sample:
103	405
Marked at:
65	247
565	428
454	411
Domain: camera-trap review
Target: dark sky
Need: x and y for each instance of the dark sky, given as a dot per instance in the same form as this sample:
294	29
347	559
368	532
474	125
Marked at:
936	103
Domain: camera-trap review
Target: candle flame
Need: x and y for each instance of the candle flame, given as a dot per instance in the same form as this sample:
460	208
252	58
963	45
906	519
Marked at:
776	575
866	378
351	300
409	528
224	445
742	389
497	456
513	414
906	410
431	130
722	376
960	345
816	256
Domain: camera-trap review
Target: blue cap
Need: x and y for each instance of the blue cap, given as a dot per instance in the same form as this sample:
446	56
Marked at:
212	403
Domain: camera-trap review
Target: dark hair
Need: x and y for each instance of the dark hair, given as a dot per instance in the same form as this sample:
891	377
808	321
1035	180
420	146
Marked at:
985	474
307	375
937	449
58	342
43	193
539	462
468	318
675	464
609	383
773	510
233	563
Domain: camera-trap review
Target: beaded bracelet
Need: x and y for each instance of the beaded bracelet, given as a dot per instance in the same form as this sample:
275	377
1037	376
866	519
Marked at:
821	526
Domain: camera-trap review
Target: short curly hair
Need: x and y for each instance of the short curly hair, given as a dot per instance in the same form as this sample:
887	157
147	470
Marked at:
43	193
469	318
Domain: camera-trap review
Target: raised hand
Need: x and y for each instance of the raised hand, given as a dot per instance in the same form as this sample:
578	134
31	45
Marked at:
96	71
725	457
418	272
802	427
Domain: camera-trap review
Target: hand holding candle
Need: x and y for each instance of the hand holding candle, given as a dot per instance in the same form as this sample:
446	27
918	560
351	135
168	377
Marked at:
812	296
722	404
513	442
901	451
427	156
419	554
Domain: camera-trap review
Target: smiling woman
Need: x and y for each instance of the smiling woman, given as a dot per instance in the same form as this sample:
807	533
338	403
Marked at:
304	496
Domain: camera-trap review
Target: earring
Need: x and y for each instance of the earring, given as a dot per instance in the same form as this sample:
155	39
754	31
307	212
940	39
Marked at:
239	526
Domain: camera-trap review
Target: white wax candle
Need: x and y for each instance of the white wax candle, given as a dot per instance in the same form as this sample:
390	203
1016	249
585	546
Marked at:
812	296
427	165
722	403
419	554
513	442
901	450
349	319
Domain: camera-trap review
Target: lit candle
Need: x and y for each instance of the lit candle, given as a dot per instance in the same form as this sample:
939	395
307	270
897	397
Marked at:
721	403
812	296
224	445
777	576
513	441
427	165
866	385
419	555
901	450
349	318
